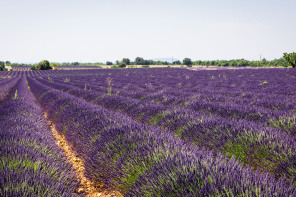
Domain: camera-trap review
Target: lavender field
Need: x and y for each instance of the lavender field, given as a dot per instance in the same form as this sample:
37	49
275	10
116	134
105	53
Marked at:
150	131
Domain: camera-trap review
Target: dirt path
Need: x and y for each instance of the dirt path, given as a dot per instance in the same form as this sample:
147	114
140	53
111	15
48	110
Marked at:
87	187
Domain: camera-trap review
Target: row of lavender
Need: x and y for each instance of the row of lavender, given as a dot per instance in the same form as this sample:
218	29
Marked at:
6	86
238	101
264	96
31	164
226	83
253	143
140	159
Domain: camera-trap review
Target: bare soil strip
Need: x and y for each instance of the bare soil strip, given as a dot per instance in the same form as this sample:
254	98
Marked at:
87	187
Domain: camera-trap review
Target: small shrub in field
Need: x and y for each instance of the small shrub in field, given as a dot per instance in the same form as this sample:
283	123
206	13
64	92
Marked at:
122	65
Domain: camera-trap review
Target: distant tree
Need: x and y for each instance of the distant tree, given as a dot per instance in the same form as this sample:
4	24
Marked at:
117	62
242	63
280	62
187	62
33	67
139	61
148	62
126	61
232	63
109	63
53	65
224	64
43	65
290	58
121	65
75	63
165	63
198	62
7	63
177	62
2	66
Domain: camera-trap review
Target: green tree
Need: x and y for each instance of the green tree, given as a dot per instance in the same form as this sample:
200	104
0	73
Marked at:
43	65
224	64
53	65
232	63
243	62
139	61
187	62
33	67
2	66
290	58
126	61
177	62
109	63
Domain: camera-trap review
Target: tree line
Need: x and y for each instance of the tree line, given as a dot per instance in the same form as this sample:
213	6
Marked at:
288	59
142	61
244	63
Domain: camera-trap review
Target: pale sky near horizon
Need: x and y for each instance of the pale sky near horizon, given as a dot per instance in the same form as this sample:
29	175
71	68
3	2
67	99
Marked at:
109	30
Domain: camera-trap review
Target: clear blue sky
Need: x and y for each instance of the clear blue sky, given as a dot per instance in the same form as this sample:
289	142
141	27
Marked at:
101	30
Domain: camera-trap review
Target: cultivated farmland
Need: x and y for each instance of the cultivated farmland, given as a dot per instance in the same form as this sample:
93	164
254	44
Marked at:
149	131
